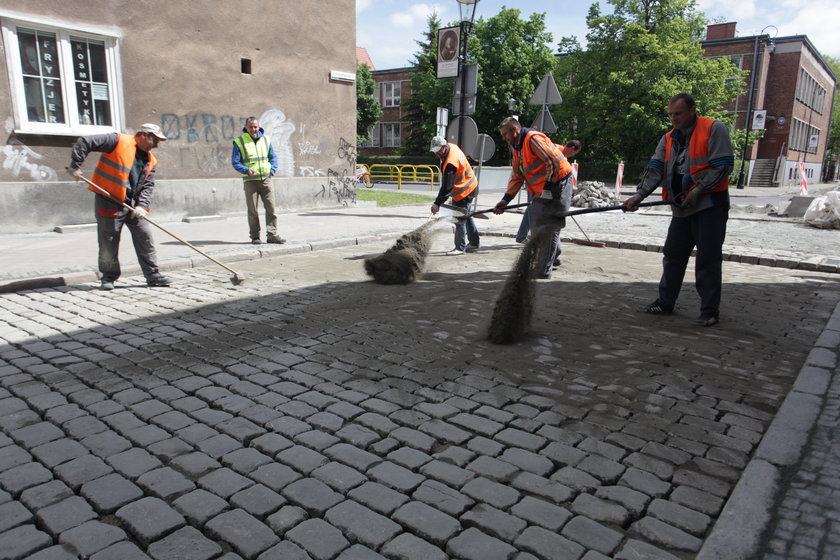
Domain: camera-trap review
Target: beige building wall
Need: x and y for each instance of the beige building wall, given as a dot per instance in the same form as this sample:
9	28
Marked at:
197	69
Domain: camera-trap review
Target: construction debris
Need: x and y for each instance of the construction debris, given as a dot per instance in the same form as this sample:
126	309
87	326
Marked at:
593	194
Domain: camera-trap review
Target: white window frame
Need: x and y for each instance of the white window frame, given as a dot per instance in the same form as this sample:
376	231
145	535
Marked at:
63	31
389	98
373	142
389	138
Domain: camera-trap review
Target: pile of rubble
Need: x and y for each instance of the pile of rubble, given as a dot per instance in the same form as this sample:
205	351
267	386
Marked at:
594	194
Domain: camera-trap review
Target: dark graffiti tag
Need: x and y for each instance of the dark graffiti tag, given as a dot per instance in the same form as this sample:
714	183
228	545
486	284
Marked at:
340	186
200	127
347	151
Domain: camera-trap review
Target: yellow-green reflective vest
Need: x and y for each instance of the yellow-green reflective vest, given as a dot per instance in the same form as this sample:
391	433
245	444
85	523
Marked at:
254	155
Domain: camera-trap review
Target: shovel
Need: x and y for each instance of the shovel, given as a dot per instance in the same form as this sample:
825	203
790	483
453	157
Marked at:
237	277
463	215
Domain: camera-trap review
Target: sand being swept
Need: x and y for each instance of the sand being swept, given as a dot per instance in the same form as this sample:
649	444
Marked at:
403	262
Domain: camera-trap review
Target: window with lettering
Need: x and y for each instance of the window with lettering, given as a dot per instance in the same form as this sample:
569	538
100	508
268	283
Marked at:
62	80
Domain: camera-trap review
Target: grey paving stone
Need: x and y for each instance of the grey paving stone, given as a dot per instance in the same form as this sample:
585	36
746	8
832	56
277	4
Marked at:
194	465
661	533
409	457
472	544
224	482
477	424
563	454
633	501
186	543
361	524
59	451
165	483
485	446
542	487
45	494
82	469
494	522
548	544
493	468
702	482
312	495
150	519
697	499
542	513
350	455
146	435
427	522
219	445
196	433
23	541
688	520
378	497
519	438
92	536
57	552
413	438
36	434
105	444
528	461
13	456
339	477
133	462
410	547
284	550
576	479
320	539
447	473
302	459
397	477
285	518
645	482
13	514
110	492
246	534
245	460
454	455
358	435
275	476
170	448
200	505
592	535
485	490
258	500
600	510
271	444
359	552
316	440
17	479
635	549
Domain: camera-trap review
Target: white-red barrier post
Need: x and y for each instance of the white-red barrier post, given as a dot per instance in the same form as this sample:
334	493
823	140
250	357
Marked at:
803	181
619	176
574	174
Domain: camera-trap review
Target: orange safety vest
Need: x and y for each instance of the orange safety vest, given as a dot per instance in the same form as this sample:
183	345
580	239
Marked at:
465	181
535	171
114	167
698	155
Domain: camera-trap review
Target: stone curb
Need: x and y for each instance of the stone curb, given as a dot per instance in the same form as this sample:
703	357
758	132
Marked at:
737	533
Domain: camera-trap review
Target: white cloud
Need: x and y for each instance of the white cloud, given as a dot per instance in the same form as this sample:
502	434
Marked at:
818	20
362	5
415	15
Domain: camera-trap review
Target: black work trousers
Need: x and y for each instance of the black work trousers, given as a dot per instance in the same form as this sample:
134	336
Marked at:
705	230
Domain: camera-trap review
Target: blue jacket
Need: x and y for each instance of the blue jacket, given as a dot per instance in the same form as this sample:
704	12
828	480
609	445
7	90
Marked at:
236	157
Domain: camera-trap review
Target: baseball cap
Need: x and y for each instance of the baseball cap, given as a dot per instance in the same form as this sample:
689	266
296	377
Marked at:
438	142
152	129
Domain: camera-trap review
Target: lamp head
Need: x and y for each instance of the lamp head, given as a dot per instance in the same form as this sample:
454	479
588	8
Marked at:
466	8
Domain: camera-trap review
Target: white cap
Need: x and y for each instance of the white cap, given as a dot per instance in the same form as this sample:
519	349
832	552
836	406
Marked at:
438	142
152	129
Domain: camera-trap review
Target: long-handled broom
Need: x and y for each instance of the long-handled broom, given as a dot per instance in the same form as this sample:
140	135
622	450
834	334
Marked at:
237	278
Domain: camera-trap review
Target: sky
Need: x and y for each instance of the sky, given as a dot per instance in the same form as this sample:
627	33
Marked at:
390	29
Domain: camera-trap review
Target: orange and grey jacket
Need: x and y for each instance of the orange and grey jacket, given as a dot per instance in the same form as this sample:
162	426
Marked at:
531	166
465	181
698	154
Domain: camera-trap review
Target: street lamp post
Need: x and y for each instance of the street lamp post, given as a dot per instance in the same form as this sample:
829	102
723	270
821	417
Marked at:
747	121
466	10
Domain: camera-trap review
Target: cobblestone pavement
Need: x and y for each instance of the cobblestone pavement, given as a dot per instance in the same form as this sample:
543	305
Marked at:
312	414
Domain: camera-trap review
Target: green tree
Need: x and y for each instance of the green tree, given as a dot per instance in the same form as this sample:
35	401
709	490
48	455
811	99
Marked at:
368	109
427	94
616	91
512	57
832	147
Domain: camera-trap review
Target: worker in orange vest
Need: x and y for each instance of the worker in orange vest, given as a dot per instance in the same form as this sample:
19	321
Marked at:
457	180
692	163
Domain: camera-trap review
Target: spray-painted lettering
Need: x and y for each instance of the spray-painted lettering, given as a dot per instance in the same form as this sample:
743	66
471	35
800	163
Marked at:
16	158
309	149
339	186
212	129
347	151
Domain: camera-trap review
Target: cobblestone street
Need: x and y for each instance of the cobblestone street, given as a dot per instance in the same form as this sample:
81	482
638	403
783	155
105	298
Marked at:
313	414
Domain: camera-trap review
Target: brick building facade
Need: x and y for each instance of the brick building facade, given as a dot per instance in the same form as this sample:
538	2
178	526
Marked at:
793	88
392	87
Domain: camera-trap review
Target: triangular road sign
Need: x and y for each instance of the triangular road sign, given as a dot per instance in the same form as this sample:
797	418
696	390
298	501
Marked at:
544	121
547	92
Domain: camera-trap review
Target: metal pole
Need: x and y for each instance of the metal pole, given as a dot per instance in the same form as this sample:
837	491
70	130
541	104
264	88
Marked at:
462	62
747	123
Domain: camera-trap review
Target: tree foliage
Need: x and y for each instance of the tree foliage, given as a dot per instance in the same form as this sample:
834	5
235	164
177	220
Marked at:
616	90
832	150
368	109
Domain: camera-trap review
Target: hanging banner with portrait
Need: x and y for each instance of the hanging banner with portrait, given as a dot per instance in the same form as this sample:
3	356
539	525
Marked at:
449	45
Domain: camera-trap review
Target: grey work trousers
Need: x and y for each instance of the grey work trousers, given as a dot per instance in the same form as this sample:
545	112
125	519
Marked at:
255	190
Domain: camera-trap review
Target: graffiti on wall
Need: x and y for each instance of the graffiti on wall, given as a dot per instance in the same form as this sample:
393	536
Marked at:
20	159
201	127
279	130
341	185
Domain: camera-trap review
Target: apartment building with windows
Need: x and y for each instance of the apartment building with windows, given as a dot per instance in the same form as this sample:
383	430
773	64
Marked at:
790	96
392	87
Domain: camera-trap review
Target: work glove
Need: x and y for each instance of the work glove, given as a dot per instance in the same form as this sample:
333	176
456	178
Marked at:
632	204
75	173
435	208
138	213
500	207
691	197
